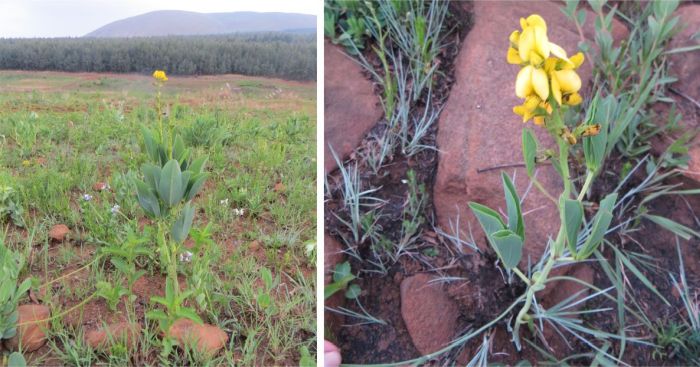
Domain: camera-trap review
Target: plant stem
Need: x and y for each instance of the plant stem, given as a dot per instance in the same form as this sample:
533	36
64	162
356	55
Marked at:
586	185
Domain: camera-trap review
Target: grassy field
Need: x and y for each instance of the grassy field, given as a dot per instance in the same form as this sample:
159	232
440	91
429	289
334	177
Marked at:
61	134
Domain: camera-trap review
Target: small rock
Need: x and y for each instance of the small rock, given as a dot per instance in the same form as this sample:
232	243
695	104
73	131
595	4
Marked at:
209	338
124	332
280	188
31	335
99	186
350	106
254	246
58	232
429	313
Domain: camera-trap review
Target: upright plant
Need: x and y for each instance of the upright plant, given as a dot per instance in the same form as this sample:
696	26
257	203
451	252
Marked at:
171	180
549	85
11	264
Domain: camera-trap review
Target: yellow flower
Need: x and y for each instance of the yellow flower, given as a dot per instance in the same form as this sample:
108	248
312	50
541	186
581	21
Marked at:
569	81
26	163
513	56
573	99
160	75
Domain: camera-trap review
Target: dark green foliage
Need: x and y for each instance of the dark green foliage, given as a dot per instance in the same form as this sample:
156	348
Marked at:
280	55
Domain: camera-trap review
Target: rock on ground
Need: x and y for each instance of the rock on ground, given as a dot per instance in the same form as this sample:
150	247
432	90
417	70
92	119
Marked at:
123	332
350	106
686	67
478	128
32	334
208	339
59	232
429	313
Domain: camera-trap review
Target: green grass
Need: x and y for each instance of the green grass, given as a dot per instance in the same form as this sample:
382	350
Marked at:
61	133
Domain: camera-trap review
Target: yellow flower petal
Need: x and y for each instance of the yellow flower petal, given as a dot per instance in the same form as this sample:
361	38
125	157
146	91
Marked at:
550	64
559	52
577	59
523	111
539	120
531	102
514	38
513	57
536	20
569	81
523	23
523	82
540	83
541	41
526	44
573	99
556	89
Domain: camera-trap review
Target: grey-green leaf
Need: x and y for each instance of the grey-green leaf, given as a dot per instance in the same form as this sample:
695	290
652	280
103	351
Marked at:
147	199
510	247
151	174
170	184
490	221
515	214
195	184
572	216
529	151
182	225
601	223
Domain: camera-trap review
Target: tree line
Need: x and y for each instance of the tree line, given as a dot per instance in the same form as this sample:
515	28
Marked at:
281	55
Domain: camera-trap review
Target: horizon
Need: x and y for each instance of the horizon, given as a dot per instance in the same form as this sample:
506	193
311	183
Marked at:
76	18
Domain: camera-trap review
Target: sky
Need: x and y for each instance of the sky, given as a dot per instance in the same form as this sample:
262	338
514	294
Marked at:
75	18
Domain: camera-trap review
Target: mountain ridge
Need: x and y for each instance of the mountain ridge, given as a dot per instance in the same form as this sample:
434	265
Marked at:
183	23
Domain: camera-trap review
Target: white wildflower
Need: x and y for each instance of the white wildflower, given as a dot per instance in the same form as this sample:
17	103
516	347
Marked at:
186	257
87	197
239	212
115	209
224	202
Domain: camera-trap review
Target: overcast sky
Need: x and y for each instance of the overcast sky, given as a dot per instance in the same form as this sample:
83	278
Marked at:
74	18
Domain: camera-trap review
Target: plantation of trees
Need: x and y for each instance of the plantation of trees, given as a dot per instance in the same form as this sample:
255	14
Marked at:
281	55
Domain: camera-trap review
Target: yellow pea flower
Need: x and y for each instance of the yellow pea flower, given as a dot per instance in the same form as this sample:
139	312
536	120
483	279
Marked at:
573	99
513	57
569	81
523	111
160	76
523	82
540	83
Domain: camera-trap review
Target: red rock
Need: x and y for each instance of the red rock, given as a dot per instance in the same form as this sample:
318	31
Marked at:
686	67
558	291
350	106
209	339
31	335
429	313
479	130
332	255
99	186
58	232
123	332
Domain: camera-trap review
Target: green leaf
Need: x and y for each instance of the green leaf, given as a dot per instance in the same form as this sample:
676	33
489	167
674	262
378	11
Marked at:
195	184
170	187
182	225
150	143
151	175
529	151
266	275
306	359
337	285
490	221
515	214
178	148
509	246
189	313
264	300
147	199
601	223
341	271
16	360
156	315
673	226
198	164
353	291
572	216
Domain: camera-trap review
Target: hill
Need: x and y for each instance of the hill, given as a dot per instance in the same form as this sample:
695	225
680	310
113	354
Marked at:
178	22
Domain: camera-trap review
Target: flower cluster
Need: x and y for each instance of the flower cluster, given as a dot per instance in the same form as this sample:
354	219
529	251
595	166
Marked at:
160	76
547	76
